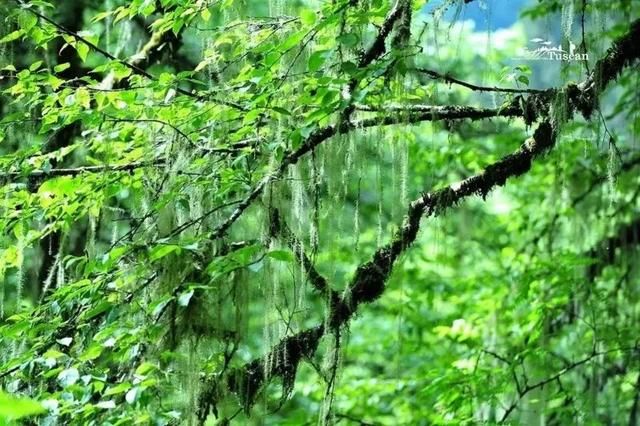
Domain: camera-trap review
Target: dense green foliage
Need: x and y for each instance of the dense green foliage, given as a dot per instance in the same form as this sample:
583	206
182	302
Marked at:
297	212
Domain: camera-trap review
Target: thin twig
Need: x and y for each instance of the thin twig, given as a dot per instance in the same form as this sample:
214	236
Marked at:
449	79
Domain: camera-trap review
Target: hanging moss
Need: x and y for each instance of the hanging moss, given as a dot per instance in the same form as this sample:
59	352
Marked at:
561	108
331	365
566	20
612	169
90	246
377	136
20	272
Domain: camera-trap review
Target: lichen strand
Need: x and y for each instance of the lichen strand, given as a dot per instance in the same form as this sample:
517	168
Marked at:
567	19
564	105
331	364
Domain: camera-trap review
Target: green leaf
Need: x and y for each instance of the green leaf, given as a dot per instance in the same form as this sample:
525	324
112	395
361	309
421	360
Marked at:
184	298
148	8
281	255
68	377
27	20
348	39
62	67
145	368
14	408
11	36
308	17
281	110
93	352
83	50
162	250
83	97
101	307
118	389
291	41
35	66
132	395
317	59
106	405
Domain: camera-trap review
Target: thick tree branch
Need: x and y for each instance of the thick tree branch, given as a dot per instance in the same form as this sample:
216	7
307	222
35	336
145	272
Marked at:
368	283
624	51
419	113
377	48
533	107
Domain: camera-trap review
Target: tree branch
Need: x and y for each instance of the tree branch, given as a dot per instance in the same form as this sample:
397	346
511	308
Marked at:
419	113
36	174
449	79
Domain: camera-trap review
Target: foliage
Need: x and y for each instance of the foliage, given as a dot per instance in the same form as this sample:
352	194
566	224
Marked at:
288	212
